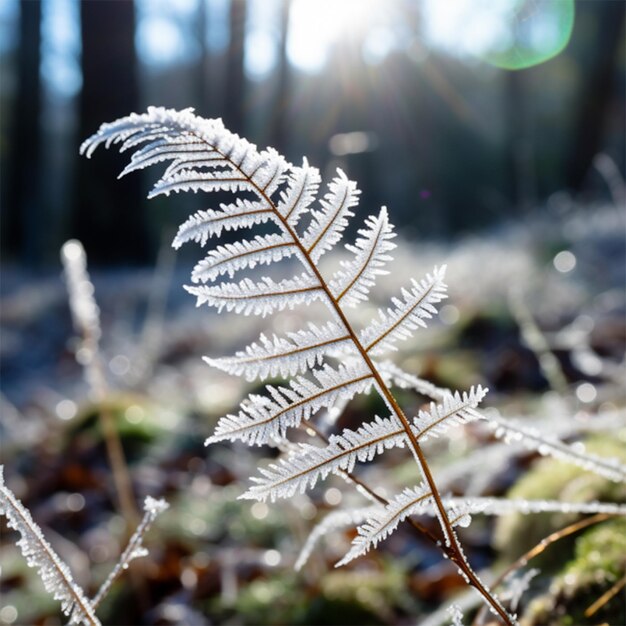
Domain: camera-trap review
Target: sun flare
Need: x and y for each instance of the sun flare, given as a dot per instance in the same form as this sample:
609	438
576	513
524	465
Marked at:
316	25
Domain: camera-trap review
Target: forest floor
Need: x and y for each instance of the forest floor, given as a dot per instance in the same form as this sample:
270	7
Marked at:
218	560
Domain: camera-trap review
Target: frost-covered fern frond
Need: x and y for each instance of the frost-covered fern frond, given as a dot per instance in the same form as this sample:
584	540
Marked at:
264	418
333	521
306	464
53	572
324	366
295	353
384	520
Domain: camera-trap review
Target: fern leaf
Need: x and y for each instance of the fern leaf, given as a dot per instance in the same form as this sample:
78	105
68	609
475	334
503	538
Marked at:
333	521
455	409
201	161
261	298
512	432
285	356
504	506
328	224
408	314
231	257
307	464
178	150
303	185
532	439
188	180
385	520
352	283
54	573
204	224
268	177
263	418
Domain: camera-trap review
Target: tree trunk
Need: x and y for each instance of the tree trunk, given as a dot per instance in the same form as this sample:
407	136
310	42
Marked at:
235	77
598	79
108	213
21	223
279	112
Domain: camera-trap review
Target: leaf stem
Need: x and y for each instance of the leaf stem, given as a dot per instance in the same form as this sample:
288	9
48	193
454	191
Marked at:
456	553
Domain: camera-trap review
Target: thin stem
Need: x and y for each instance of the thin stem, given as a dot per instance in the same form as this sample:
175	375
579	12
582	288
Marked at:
115	451
605	597
541	546
456	555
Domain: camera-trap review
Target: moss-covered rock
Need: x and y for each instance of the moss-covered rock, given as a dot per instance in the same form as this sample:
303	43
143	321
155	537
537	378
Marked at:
599	562
550	479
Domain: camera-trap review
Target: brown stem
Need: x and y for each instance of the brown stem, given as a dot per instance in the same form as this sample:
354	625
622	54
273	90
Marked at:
605	597
456	554
380	499
541	546
124	495
115	452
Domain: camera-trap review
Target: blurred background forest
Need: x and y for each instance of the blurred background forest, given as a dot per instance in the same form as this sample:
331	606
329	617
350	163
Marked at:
394	92
513	177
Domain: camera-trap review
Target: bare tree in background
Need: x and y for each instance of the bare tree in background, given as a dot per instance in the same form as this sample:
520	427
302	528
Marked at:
110	88
280	109
235	76
599	71
21	223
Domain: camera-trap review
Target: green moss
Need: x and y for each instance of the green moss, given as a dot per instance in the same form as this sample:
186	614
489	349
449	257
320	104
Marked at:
599	562
344	597
556	480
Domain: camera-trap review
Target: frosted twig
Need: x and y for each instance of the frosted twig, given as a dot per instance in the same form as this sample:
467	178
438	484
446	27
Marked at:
53	572
152	509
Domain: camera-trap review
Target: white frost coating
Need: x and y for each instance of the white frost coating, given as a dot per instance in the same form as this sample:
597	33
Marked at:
260	298
385	519
166	130
134	550
303	185
85	312
53	572
181	151
503	506
210	223
307	464
327	225
511	432
191	180
351	284
545	445
263	418
333	521
455	409
272	173
232	257
408	314
285	356
456	615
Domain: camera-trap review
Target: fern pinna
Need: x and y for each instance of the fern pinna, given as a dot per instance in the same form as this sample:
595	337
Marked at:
326	365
